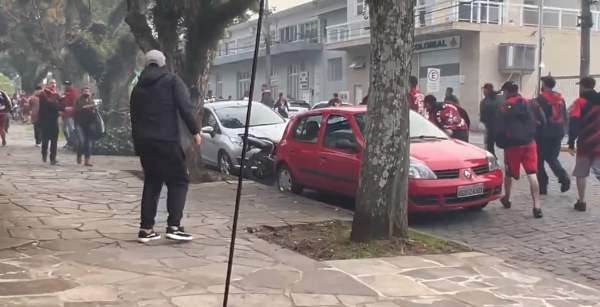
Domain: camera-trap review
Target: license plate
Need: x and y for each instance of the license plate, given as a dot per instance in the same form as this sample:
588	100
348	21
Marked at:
469	190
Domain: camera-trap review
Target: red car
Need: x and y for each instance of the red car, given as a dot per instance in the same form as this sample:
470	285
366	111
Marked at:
322	150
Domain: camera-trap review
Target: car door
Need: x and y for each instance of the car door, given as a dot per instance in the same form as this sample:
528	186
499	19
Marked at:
209	147
303	148
339	168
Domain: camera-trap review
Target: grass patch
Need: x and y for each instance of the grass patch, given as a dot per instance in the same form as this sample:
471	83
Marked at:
331	241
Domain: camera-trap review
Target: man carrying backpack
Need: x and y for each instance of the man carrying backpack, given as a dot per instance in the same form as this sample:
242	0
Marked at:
515	129
488	108
549	137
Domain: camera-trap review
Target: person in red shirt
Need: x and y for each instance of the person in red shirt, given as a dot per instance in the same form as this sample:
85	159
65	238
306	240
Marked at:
515	129
68	101
417	103
584	121
447	117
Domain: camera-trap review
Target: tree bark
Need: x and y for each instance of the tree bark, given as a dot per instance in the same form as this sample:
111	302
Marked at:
382	200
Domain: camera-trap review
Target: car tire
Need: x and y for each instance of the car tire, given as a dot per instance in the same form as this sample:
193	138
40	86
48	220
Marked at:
477	208
224	163
285	175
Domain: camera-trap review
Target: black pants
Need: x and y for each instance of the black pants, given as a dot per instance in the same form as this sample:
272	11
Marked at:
49	138
548	150
37	133
490	143
462	135
163	163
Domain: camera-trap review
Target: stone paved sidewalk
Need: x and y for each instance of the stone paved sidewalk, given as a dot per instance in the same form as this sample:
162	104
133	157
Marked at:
67	238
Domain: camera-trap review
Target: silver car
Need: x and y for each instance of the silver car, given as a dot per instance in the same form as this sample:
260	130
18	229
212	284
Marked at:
223	123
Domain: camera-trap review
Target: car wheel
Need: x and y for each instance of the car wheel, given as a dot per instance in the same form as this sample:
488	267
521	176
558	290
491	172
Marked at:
286	181
225	164
477	208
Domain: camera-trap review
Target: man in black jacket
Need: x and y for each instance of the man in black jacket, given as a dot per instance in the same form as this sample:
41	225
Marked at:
50	108
157	101
549	137
488	108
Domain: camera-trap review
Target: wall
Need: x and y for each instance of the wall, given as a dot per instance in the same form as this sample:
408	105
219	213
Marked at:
315	64
560	54
470	89
358	76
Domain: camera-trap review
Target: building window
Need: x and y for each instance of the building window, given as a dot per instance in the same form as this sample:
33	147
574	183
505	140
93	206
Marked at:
274	71
309	31
219	88
243	84
334	69
360	7
293	85
288	34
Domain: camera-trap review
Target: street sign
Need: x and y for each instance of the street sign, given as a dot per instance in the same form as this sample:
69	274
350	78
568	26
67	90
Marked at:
433	80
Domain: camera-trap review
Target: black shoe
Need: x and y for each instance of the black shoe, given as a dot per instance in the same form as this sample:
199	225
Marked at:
54	162
505	202
145	237
537	213
565	185
543	190
580	206
44	159
66	145
177	233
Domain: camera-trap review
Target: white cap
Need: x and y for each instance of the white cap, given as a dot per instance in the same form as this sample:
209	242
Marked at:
155	57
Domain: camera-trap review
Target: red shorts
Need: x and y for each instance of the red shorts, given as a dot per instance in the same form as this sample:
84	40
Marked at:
514	157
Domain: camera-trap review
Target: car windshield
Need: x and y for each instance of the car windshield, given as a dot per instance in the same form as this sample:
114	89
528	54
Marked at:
420	127
234	117
300	104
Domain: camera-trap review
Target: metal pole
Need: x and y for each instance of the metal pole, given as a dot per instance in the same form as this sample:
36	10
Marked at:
540	45
586	25
267	34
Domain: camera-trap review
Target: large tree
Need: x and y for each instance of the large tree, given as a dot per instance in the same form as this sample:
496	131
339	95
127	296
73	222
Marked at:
108	53
187	32
381	205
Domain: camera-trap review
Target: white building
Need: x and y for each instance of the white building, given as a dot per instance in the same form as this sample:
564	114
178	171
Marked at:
475	42
301	68
324	48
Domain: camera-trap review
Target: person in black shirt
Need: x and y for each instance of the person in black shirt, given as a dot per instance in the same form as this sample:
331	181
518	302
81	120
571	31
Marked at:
450	96
158	100
549	137
335	101
50	108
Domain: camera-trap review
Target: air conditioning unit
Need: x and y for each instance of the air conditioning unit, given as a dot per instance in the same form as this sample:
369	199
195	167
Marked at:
227	34
516	58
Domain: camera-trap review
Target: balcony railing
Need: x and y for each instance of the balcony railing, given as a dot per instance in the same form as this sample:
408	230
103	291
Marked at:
481	12
246	44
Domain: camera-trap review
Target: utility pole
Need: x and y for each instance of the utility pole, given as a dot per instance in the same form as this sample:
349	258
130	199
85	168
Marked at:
586	22
540	46
267	34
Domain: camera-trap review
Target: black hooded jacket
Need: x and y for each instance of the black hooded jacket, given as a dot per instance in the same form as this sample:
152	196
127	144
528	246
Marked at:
157	101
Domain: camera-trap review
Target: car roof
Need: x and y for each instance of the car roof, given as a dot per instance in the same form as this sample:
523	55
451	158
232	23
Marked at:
344	109
227	103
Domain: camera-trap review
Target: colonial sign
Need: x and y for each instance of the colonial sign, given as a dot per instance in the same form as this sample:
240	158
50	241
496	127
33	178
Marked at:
438	44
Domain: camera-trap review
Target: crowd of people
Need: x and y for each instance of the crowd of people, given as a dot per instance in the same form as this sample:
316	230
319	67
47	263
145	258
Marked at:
529	130
42	108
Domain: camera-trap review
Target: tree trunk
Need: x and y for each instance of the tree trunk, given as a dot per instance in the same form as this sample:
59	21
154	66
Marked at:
195	75
381	205
115	82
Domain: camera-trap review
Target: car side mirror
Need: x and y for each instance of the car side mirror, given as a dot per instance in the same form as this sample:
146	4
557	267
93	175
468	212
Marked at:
208	130
347	145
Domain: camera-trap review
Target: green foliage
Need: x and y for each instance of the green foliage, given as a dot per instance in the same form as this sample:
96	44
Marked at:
116	142
6	84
